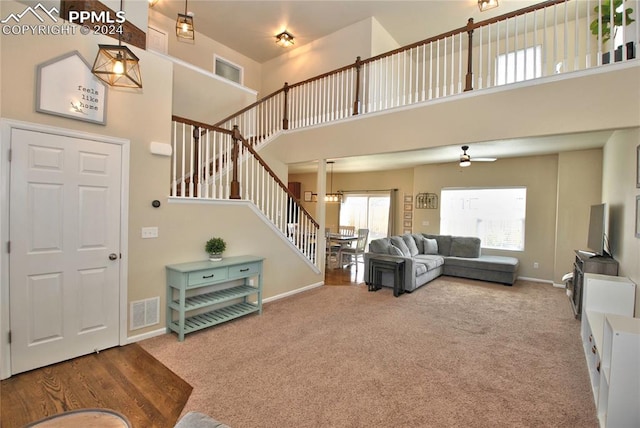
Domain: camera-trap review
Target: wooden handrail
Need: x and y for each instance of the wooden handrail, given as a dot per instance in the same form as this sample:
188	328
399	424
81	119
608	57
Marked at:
186	121
273	175
467	28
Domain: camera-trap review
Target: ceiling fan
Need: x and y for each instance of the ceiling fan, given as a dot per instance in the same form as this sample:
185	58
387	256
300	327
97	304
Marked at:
465	159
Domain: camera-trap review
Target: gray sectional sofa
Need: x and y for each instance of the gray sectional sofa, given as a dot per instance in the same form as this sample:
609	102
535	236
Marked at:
429	256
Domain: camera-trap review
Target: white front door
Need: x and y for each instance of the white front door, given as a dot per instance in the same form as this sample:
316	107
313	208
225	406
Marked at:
64	229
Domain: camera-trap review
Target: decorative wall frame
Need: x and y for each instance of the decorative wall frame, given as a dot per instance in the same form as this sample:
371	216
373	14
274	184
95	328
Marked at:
427	201
638	166
638	216
66	87
307	195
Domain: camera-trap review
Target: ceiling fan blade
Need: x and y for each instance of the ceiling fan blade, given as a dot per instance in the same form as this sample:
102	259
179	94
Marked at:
483	159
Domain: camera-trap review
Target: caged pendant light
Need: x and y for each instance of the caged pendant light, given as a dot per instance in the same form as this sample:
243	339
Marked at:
117	65
332	197
184	25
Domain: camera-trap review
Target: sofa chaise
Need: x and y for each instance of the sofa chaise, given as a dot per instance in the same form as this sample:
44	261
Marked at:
429	256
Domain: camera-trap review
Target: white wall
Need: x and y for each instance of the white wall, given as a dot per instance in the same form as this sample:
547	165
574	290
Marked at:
619	192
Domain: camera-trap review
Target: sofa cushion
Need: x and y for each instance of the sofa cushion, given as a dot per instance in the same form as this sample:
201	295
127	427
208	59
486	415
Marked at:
411	244
398	242
430	246
380	246
395	251
432	261
465	246
444	243
421	269
419	240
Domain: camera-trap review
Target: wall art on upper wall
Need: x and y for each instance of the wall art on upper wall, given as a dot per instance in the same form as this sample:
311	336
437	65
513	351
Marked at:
638	166
66	87
638	216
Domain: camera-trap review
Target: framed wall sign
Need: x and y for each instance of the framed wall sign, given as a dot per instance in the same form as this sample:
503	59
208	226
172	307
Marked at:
638	216
638	167
66	87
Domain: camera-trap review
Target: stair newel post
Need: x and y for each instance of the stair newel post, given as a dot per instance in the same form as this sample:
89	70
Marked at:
356	102
285	113
195	178
235	184
469	78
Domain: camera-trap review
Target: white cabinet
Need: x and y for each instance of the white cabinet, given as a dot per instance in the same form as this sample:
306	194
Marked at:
611	341
619	397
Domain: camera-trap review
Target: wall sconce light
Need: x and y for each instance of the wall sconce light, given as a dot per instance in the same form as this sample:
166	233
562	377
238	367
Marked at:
184	25
487	4
284	39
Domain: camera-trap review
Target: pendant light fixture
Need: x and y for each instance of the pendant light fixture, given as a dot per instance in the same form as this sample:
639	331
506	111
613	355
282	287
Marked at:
184	25
332	197
117	65
487	4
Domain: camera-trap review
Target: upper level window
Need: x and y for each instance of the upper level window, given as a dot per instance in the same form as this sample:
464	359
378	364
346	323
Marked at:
495	215
523	64
227	69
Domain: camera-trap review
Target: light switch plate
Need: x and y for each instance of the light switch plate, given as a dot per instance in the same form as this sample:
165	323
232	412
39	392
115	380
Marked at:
149	232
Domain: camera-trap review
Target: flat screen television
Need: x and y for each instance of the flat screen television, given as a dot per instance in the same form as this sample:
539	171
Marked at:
596	238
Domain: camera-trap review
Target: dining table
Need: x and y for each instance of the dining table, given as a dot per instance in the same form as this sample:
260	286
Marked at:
341	241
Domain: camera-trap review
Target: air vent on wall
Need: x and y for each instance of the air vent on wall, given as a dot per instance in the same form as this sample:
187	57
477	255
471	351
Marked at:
145	313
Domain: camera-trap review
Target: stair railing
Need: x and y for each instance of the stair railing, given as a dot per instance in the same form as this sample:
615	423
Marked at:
548	38
210	162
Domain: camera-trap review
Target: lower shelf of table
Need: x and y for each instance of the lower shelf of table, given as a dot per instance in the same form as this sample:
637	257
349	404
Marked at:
217	316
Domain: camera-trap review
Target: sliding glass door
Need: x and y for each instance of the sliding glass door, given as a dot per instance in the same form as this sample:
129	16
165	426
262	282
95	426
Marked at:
366	211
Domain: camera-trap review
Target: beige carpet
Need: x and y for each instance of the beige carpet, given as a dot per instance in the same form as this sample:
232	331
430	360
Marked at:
455	353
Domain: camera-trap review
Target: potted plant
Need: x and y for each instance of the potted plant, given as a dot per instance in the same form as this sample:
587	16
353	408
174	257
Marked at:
602	24
215	247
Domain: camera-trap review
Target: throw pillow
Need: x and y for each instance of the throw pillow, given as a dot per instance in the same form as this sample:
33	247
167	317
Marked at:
395	251
419	240
430	246
398	242
411	244
380	246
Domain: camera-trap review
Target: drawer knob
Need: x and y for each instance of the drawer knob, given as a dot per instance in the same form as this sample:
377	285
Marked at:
593	349
208	276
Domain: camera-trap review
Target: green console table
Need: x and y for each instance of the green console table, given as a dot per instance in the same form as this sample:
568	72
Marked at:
205	293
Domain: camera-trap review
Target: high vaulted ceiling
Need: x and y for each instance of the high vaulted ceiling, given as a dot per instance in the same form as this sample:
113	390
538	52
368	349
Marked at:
249	27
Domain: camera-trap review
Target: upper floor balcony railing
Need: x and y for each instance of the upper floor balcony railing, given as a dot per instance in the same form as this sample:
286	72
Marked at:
552	37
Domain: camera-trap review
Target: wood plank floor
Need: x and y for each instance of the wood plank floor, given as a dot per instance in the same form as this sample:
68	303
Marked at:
126	379
344	276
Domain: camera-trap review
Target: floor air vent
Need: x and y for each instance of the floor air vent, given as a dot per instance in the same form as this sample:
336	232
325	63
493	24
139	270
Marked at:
145	313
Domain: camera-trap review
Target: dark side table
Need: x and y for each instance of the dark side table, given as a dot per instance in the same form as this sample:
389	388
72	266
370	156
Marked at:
381	264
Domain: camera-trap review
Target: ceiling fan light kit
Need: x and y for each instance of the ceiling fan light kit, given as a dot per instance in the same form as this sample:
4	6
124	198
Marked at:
465	158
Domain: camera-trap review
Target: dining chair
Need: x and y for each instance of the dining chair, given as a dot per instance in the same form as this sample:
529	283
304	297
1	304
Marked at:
347	230
354	252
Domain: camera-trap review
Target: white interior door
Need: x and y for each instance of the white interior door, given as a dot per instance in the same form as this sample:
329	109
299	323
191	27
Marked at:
64	263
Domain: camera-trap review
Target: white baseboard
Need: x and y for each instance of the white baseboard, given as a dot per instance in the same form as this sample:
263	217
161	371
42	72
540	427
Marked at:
161	331
543	281
147	335
292	292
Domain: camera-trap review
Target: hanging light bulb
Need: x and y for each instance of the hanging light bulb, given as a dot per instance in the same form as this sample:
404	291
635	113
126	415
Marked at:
117	65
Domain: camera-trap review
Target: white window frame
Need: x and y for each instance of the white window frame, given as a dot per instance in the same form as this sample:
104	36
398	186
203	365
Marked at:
475	215
218	58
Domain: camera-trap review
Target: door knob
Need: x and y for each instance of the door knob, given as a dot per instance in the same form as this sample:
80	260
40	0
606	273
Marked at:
113	256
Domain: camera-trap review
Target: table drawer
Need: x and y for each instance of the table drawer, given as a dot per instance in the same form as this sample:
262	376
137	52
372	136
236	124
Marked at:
207	276
245	270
